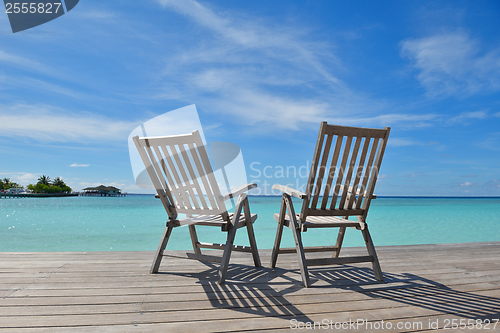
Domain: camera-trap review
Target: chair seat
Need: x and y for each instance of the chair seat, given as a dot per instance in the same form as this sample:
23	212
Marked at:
322	222
210	220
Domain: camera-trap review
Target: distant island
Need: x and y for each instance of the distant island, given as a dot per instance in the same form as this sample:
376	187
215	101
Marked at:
43	188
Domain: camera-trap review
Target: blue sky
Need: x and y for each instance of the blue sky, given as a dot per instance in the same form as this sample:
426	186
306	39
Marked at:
263	74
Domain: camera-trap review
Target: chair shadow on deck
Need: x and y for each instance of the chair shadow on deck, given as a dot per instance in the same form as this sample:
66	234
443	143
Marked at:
408	289
247	290
263	291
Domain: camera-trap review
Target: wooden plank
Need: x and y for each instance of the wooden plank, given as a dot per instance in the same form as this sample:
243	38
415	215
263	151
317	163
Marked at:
176	169
338	261
347	182
205	161
359	171
321	172
202	171
367	172
112	291
342	170
193	175
355	131
309	249
194	256
331	171
215	246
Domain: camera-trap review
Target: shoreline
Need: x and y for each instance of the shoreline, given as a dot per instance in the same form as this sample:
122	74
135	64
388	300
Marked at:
37	195
377	247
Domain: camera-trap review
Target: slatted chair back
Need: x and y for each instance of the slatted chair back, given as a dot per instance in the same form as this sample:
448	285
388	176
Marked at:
344	171
181	172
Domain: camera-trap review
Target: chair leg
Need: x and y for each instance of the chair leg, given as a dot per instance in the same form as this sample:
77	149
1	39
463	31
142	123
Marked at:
194	239
340	240
301	254
279	232
298	241
371	251
161	248
227	253
251	234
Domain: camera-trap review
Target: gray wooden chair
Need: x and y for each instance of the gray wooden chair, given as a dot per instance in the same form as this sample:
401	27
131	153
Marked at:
182	175
343	174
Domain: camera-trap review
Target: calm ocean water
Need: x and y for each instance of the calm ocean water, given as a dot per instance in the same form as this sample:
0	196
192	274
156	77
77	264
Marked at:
136	222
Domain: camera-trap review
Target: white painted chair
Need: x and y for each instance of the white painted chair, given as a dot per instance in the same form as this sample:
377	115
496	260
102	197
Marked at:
181	172
342	178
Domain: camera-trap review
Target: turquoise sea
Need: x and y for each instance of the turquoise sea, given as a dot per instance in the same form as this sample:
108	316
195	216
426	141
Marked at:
136	223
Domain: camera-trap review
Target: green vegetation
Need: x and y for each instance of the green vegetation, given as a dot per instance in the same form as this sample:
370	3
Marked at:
6	183
45	186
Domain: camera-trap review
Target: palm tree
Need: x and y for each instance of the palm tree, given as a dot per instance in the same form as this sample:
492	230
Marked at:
44	180
58	182
5	183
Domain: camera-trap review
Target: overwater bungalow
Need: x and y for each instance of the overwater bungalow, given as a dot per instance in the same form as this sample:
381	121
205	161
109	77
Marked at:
102	191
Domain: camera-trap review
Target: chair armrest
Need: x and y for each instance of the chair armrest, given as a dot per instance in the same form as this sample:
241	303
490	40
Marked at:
290	191
236	192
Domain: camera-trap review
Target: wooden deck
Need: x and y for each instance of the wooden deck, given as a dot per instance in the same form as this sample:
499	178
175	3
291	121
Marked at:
113	292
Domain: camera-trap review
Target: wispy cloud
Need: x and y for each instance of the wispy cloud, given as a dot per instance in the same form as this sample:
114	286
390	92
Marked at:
452	64
467	116
23	62
96	14
253	34
118	184
22	178
491	187
44	85
491	141
50	124
400	142
75	165
261	73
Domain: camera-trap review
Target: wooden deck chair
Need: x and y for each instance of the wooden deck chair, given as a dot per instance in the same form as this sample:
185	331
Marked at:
343	174
181	172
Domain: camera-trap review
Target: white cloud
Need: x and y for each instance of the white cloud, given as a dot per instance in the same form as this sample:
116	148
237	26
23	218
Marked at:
22	178
399	142
258	72
20	61
248	68
491	141
391	119
254	107
254	34
49	124
465	116
44	85
75	165
117	184
452	64
95	14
